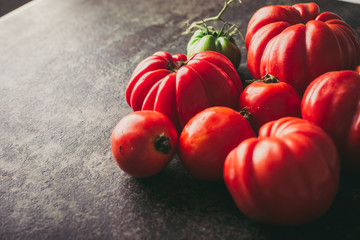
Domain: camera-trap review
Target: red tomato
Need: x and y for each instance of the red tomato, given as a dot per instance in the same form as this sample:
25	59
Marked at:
268	99
289	175
143	143
332	101
207	139
180	88
298	43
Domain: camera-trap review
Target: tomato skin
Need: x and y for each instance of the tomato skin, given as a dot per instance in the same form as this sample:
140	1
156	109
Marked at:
207	139
180	89
298	43
289	175
211	40
269	101
332	101
143	143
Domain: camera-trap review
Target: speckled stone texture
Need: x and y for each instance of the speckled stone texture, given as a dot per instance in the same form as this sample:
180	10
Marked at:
64	66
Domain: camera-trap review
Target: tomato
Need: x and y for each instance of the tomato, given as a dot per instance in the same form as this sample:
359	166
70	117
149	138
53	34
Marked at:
180	89
143	143
357	69
332	101
289	175
207	139
298	43
268	99
212	40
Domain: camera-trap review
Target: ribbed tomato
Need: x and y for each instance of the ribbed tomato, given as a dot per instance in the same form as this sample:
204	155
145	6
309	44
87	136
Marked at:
289	175
179	88
332	101
298	43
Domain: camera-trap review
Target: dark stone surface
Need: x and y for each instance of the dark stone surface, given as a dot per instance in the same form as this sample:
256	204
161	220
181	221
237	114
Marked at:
7	6
64	66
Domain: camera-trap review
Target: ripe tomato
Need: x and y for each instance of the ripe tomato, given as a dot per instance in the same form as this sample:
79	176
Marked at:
332	101
207	139
180	89
269	99
214	40
289	175
298	43
143	143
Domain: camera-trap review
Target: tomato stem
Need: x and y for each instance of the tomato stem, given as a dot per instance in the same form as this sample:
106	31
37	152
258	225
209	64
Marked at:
162	144
268	78
202	24
170	65
173	66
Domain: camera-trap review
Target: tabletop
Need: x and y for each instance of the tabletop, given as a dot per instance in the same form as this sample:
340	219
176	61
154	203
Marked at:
64	66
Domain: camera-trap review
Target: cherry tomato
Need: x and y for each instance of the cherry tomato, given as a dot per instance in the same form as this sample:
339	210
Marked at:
268	99
207	139
289	175
332	101
143	143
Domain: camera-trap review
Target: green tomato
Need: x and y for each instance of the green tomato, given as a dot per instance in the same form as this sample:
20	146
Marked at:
211	40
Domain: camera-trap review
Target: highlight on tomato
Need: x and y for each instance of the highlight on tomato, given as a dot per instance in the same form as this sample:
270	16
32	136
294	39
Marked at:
332	101
298	43
269	99
180	88
289	175
143	143
207	139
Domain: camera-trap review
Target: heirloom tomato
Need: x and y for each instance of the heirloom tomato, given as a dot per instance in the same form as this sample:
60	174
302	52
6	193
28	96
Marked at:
143	143
179	88
214	40
268	99
298	43
289	175
207	139
332	101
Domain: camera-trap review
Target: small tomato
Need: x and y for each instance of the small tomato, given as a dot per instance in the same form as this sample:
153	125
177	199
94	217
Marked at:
268	99
143	143
207	139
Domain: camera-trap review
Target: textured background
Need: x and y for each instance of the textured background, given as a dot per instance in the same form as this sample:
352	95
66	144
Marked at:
7	6
64	66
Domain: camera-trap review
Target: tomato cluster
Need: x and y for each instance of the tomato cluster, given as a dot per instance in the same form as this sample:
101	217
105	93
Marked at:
279	142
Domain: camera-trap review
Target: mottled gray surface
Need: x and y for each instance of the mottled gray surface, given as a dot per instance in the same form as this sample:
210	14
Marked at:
64	66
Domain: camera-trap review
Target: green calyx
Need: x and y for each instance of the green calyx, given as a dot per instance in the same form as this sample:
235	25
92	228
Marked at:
268	78
206	38
220	41
209	30
231	28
